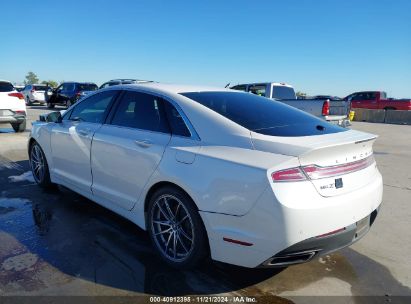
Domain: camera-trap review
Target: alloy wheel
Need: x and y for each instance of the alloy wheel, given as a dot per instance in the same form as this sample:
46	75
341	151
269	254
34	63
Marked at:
37	163
172	228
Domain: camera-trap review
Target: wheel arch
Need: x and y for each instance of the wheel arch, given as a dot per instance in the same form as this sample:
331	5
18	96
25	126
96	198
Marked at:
160	185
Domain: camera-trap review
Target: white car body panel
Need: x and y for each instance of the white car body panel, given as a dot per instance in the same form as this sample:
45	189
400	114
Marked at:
224	168
11	103
137	154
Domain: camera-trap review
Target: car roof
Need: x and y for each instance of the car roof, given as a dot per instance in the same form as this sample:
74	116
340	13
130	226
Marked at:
2	80
174	88
283	84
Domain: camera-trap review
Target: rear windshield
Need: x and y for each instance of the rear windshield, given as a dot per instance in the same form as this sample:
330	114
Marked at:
40	88
6	87
87	87
283	92
263	115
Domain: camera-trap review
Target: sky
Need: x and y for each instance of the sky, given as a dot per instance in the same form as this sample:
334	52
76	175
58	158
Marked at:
319	46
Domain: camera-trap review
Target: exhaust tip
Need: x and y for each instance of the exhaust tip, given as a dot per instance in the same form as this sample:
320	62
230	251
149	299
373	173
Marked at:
292	258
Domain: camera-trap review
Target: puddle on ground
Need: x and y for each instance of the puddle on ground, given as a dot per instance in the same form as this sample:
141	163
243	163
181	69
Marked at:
59	233
25	177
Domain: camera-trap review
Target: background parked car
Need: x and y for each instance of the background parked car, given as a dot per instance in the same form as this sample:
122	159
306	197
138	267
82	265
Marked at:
34	93
68	93
122	81
19	88
325	97
377	100
12	106
333	111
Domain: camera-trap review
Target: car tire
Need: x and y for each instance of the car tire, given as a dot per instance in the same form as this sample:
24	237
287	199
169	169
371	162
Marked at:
50	106
39	166
28	102
19	127
176	229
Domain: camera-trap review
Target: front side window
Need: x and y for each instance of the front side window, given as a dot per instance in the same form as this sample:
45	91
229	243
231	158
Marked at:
94	108
263	115
141	111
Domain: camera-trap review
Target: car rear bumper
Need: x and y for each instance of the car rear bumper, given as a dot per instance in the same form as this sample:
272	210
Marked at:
306	250
8	116
289	222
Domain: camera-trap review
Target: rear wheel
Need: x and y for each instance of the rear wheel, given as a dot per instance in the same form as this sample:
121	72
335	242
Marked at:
176	229
39	166
19	127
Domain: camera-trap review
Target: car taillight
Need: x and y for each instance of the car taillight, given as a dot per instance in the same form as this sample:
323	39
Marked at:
18	95
288	175
313	172
316	172
326	108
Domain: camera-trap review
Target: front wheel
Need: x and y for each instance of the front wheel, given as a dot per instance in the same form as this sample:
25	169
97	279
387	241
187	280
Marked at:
19	127
176	229
39	166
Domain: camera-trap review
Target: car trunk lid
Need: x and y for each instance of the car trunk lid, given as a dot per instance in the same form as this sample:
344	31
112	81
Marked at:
335	163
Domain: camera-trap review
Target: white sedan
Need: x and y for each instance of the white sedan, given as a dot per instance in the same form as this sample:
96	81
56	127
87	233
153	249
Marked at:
213	172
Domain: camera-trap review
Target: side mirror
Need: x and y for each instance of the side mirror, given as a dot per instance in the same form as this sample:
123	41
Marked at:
51	117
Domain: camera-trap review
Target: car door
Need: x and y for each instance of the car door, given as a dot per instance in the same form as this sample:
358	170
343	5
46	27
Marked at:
128	148
71	141
55	97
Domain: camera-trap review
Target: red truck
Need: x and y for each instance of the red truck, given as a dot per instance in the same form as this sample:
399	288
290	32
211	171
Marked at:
377	100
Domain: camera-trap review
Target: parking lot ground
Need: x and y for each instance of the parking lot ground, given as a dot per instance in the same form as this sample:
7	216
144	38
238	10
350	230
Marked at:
59	243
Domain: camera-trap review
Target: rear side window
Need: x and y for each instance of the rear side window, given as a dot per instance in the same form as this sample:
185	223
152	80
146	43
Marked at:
141	111
283	92
263	115
6	87
39	88
257	89
68	87
93	108
176	121
87	87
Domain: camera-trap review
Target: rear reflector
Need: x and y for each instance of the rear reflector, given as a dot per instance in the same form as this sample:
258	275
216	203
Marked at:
18	95
237	242
317	172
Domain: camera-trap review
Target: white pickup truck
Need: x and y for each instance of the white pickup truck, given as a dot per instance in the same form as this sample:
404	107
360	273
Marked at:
333	111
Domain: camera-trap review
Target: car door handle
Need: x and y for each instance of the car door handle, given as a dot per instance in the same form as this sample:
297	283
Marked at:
143	143
84	132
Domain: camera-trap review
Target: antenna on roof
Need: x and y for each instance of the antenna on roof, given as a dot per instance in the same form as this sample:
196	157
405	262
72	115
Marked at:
227	85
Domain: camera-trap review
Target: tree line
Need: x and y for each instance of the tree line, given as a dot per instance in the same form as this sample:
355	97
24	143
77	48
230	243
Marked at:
32	78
